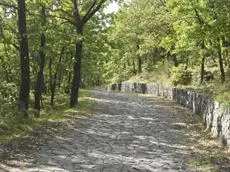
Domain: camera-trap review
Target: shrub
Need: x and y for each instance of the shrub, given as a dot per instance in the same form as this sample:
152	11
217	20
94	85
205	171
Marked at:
8	96
181	76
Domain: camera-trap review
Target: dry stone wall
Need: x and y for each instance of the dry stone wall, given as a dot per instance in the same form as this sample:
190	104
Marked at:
215	117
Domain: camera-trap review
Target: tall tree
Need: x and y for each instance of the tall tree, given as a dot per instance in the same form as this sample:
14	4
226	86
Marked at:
40	84
24	58
80	21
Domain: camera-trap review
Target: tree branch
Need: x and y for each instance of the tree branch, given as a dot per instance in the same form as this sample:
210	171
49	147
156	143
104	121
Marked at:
76	12
62	11
71	21
92	10
8	5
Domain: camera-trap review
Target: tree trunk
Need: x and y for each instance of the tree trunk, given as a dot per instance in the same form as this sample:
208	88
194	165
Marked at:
139	60
175	61
24	59
53	88
221	65
40	85
76	70
134	67
54	81
202	70
60	79
50	75
67	87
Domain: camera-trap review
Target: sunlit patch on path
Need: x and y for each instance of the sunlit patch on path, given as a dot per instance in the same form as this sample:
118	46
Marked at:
125	133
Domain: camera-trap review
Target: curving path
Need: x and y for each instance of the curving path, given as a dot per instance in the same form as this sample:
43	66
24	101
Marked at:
125	133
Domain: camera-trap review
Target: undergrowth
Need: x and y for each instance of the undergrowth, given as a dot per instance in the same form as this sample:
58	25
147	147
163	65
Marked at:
14	126
164	74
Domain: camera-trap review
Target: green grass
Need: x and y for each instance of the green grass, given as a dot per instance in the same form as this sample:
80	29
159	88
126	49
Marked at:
159	75
16	127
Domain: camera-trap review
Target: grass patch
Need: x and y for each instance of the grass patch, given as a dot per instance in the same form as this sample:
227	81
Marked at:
16	127
156	76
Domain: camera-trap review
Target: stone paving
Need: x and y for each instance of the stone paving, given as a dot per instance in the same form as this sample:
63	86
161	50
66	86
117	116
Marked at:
125	133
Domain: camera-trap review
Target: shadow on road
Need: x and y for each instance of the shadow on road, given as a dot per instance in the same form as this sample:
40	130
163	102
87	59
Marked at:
125	133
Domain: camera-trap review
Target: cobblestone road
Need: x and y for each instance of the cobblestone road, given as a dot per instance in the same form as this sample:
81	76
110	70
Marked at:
125	133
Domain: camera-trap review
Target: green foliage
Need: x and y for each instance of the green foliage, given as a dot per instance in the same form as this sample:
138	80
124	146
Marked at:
8	97
15	126
142	41
54	20
222	96
181	76
193	33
